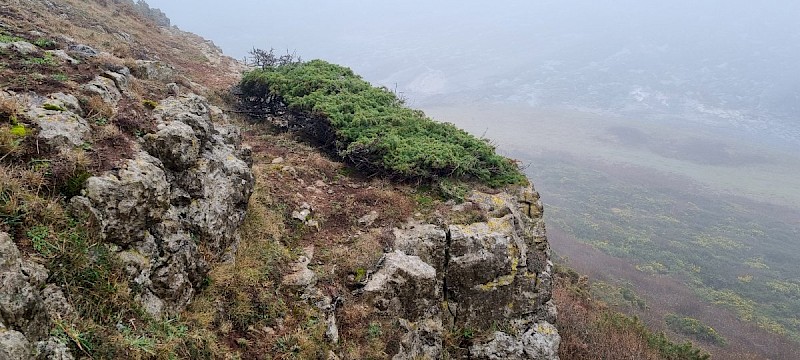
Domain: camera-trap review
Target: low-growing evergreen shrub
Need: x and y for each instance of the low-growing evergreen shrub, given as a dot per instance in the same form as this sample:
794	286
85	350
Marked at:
370	126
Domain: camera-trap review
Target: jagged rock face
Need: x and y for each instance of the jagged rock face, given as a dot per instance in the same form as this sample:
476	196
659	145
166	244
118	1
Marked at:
27	310
484	275
186	192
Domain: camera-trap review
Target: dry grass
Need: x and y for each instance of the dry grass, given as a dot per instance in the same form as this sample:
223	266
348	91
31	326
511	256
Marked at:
586	332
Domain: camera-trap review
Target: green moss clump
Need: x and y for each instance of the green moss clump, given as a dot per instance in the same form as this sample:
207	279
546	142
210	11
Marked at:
371	127
53	107
150	104
18	130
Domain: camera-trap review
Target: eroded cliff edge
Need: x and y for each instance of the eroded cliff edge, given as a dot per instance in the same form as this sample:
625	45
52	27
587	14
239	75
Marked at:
154	220
492	275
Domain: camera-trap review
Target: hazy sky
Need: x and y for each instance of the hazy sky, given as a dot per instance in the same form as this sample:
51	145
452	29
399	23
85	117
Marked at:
717	58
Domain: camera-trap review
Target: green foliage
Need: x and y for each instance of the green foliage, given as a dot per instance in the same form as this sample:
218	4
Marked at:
374	330
46	60
9	38
370	126
60	77
72	185
694	328
39	236
45	43
658	341
450	189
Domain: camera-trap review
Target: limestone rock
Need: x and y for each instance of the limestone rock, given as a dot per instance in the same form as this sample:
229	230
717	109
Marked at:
300	275
105	88
57	128
427	241
127	204
23	47
20	300
175	144
61	54
120	77
332	331
14	345
66	101
153	70
405	285
494	271
83	51
52	349
423	340
540	342
368	219
189	186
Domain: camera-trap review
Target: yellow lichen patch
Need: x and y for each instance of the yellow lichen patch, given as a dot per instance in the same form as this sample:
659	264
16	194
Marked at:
502	225
504	280
547	330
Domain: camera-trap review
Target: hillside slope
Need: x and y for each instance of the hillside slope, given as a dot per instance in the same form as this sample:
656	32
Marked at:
139	219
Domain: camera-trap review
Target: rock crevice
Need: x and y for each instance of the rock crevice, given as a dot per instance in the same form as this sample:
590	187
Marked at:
481	276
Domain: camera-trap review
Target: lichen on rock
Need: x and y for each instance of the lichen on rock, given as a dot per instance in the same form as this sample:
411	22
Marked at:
185	193
482	275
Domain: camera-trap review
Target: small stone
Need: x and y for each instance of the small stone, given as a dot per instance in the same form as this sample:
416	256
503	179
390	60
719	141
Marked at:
84	51
301	275
61	54
301	215
277	160
332	332
369	219
320	184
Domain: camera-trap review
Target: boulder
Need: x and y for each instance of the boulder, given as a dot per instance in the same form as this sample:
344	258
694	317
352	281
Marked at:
404	285
153	70
493	272
61	54
120	77
53	349
23	47
66	101
14	345
189	187
125	205
540	342
105	88
422	340
59	128
175	144
20	300
82	51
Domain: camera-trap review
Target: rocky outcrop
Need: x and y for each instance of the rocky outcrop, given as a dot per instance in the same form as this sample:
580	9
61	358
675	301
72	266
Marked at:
27	310
178	203
492	274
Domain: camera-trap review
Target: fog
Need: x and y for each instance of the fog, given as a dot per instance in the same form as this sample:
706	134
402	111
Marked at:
732	63
673	122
